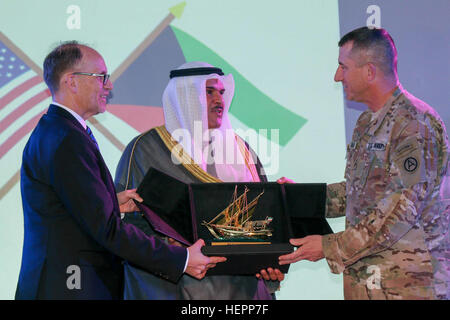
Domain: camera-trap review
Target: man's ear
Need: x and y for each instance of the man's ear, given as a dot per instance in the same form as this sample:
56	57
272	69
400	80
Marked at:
69	82
371	72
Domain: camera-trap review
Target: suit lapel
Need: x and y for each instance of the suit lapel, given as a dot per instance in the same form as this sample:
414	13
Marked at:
55	111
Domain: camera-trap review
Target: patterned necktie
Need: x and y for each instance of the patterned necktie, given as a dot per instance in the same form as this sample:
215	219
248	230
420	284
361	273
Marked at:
91	135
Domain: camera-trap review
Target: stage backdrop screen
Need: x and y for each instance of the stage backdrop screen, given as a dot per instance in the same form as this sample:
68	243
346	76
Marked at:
282	54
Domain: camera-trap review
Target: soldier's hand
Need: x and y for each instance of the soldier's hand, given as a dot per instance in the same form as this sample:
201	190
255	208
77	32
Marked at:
198	263
283	180
309	248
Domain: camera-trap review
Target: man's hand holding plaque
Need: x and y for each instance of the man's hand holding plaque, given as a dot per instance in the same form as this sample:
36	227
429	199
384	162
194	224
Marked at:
198	264
308	248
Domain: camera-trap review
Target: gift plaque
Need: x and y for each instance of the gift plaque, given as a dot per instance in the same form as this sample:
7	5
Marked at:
248	223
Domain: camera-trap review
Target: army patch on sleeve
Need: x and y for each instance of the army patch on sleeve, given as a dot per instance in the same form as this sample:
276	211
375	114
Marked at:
410	164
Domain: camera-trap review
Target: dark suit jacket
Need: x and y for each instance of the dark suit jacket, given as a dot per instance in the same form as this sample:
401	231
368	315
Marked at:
74	238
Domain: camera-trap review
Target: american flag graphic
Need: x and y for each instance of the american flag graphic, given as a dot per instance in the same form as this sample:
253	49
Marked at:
24	97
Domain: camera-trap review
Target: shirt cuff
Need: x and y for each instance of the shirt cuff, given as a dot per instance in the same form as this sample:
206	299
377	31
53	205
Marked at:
187	260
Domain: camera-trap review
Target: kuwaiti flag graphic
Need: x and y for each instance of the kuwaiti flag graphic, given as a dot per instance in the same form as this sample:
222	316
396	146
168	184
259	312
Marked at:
139	83
250	105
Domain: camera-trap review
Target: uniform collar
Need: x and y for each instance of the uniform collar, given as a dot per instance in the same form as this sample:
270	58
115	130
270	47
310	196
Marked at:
378	117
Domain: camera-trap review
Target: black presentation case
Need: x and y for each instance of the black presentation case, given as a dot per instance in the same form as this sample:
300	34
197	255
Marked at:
177	210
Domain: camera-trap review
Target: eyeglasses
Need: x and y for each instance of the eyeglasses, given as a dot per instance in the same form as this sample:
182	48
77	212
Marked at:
105	76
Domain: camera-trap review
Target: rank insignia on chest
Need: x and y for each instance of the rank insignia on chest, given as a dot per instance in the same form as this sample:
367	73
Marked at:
376	146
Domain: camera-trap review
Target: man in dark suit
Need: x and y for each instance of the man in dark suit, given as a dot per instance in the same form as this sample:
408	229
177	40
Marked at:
74	237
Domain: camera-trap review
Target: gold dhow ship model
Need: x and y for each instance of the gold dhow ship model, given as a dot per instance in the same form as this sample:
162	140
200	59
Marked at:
234	221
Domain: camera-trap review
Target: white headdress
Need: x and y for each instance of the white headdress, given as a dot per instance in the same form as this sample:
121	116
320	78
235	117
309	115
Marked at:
186	119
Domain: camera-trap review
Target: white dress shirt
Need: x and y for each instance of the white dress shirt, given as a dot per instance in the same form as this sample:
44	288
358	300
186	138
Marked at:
76	115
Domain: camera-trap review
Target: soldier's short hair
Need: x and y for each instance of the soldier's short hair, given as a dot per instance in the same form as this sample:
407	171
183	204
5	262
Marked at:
62	58
377	44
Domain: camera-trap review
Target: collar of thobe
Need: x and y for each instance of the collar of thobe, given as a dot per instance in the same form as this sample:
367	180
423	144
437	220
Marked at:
184	158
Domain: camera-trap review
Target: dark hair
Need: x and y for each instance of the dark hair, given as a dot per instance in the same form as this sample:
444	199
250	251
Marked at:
377	44
60	59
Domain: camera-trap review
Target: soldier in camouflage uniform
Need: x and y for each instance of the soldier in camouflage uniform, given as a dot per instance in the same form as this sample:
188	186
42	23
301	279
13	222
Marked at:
396	196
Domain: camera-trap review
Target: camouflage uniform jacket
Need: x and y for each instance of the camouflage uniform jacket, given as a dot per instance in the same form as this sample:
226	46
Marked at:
396	199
